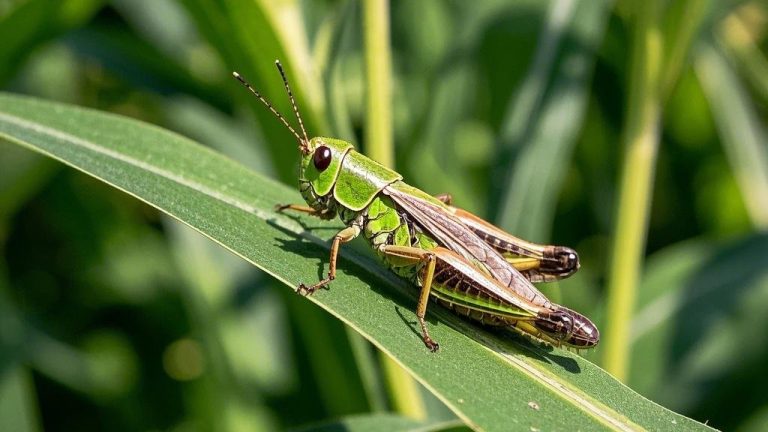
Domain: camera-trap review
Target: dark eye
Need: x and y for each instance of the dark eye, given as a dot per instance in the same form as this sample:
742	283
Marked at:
322	158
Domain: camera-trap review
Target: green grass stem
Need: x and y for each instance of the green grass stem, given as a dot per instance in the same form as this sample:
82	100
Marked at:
659	53
404	392
378	74
366	362
642	140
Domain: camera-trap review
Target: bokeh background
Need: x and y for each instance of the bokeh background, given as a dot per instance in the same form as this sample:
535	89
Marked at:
115	317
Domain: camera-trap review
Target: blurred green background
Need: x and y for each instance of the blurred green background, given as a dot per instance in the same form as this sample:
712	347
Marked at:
116	317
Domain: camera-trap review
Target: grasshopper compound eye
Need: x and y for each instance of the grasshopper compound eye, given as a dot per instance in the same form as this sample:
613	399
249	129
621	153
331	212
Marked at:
322	158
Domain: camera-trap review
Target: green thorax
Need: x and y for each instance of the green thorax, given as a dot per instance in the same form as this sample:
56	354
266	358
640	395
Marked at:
360	180
353	179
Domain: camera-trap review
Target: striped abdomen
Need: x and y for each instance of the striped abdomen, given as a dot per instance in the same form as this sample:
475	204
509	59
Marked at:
466	296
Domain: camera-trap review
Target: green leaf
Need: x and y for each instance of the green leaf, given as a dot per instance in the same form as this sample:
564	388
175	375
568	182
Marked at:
18	411
492	381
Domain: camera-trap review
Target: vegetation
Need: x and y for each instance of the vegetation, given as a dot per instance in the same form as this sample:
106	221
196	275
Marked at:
634	133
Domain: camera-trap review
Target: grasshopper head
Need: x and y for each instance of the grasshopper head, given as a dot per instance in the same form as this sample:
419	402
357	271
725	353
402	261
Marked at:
320	165
320	157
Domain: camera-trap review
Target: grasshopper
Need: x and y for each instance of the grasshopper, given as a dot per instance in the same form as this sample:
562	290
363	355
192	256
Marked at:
465	263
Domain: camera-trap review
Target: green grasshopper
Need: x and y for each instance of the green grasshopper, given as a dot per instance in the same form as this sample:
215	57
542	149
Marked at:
464	262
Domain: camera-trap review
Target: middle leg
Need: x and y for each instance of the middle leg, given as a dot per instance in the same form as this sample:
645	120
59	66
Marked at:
415	256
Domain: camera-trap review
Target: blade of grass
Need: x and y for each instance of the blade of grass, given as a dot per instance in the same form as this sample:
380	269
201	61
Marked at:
544	116
684	19
740	43
18	410
403	390
234	207
641	138
662	37
743	136
369	374
335	37
378	74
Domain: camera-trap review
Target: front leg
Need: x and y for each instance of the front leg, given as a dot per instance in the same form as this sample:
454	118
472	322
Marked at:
296	207
342	236
322	214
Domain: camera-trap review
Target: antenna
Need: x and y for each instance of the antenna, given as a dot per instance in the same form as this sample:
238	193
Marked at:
293	102
271	108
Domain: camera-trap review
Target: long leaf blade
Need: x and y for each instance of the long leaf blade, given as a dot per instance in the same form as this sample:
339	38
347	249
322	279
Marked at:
498	384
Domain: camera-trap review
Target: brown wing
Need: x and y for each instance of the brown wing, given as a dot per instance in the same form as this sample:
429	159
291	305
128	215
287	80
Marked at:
453	234
548	263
